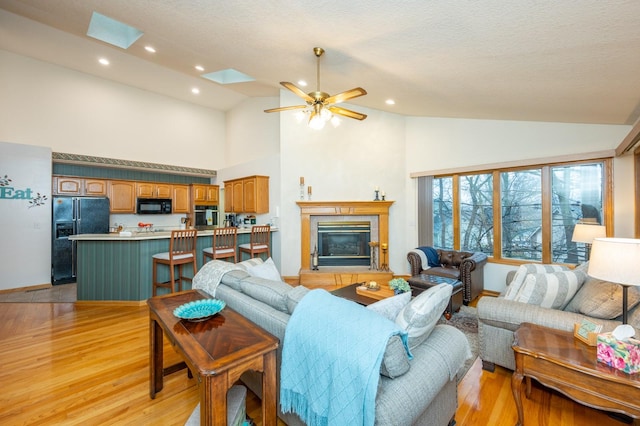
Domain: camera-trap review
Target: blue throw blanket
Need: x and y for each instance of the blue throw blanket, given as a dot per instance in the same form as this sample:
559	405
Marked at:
432	255
331	360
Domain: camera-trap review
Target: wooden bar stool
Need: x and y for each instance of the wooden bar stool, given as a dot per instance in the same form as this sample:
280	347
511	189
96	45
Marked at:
182	251
259	243
224	242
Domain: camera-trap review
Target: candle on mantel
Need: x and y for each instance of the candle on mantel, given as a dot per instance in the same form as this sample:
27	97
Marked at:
309	190
376	188
384	246
382	193
301	180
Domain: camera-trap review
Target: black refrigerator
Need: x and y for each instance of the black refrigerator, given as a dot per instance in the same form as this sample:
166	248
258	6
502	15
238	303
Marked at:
71	216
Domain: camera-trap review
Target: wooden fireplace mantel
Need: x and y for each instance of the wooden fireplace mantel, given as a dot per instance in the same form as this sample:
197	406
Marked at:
338	208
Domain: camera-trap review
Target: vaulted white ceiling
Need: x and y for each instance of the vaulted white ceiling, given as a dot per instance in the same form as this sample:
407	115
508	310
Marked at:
542	60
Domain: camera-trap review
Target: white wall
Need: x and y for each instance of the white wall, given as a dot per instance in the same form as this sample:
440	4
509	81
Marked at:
25	245
69	111
343	163
251	134
439	143
253	148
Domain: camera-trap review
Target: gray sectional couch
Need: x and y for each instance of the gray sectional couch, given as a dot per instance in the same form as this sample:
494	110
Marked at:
425	395
595	300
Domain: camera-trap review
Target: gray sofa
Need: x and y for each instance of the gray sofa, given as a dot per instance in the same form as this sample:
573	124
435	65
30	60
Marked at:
425	395
596	301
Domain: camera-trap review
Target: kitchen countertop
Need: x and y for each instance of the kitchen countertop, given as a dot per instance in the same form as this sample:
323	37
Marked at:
146	235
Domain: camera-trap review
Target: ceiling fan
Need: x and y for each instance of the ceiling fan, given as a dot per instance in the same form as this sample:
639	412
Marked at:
320	105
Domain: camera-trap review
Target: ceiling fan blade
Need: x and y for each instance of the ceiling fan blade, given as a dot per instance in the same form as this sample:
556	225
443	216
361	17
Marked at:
349	94
347	113
285	108
297	91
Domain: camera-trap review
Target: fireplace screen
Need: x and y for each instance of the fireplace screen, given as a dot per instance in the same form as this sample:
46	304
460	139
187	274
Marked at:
344	243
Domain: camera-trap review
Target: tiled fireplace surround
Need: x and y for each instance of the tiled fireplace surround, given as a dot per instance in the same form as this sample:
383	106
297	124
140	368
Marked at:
312	212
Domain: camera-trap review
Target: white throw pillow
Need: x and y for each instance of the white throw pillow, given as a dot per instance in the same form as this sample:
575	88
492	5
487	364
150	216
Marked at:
391	306
266	270
420	316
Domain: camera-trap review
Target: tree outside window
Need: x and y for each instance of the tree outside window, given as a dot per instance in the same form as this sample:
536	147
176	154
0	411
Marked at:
577	197
521	199
476	213
443	212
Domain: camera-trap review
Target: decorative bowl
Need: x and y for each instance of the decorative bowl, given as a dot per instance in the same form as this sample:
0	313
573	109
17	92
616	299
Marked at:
199	310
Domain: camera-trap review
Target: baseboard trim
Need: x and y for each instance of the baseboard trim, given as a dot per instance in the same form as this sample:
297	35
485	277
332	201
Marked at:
28	288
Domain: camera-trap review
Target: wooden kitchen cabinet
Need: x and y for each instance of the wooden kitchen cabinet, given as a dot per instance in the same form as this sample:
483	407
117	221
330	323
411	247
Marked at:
233	196
74	186
153	190
208	195
247	195
180	199
255	191
95	187
122	196
237	191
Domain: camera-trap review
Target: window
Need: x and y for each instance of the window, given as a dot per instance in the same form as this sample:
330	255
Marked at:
476	213
521	201
539	207
443	212
577	196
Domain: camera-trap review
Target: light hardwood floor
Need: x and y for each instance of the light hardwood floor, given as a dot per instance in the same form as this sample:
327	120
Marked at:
83	364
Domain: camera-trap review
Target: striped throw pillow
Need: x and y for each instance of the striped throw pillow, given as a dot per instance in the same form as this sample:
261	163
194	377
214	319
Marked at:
553	290
526	269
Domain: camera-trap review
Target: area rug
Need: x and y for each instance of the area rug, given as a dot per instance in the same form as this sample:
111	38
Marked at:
466	320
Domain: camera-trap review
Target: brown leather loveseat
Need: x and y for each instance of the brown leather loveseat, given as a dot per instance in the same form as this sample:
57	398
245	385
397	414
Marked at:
461	265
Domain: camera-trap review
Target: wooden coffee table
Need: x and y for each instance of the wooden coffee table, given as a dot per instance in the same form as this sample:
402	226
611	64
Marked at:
218	350
558	360
350	292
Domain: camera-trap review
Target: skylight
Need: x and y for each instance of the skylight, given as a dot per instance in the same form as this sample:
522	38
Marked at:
113	32
228	76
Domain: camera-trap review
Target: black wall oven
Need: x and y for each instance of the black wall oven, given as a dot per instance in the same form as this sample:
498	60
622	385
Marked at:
206	217
153	206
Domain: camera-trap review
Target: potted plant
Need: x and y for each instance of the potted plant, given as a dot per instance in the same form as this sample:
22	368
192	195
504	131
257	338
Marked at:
399	285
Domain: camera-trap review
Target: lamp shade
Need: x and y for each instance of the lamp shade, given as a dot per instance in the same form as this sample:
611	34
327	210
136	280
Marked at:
616	260
585	233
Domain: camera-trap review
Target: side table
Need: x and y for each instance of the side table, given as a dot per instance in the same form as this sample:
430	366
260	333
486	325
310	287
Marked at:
558	360
218	350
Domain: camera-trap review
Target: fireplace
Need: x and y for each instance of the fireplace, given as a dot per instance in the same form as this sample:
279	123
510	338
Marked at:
312	213
344	243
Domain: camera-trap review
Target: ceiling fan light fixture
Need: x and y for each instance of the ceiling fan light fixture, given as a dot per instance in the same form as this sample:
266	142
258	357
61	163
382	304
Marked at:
321	106
316	122
300	115
325	114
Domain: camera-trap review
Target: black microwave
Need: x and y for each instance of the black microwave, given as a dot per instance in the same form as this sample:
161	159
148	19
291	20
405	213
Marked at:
153	206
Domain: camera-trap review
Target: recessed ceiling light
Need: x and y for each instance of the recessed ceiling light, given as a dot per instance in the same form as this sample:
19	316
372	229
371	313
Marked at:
199	67
390	102
302	83
103	61
195	91
150	49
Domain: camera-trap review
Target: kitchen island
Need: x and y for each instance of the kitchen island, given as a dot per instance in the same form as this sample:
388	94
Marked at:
119	268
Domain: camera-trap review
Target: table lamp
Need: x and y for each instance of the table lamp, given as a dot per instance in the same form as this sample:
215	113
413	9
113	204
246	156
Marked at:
586	232
616	260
